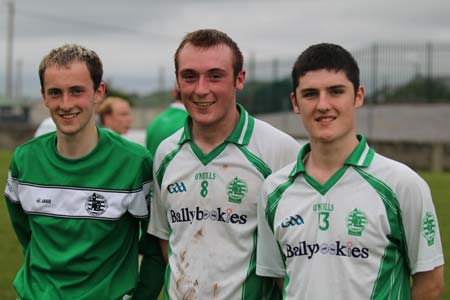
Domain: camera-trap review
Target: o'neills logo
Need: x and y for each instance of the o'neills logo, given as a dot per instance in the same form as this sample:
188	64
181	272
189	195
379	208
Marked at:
337	248
197	214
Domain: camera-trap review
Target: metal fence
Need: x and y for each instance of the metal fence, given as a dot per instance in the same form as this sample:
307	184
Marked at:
395	72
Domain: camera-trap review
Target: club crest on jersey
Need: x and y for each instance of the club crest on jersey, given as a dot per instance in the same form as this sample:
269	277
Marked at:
356	222
96	204
428	227
236	190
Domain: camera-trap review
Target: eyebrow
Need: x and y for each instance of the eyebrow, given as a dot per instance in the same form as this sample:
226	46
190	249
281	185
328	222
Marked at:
311	89
183	71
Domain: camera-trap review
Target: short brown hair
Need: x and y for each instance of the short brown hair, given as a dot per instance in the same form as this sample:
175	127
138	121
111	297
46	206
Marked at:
106	107
66	55
205	38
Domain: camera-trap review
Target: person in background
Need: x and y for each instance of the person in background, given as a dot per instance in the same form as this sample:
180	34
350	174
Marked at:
47	125
166	123
343	222
76	197
115	114
208	176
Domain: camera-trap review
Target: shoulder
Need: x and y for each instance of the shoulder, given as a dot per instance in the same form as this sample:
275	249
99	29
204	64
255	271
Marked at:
271	137
124	146
169	115
393	171
168	145
400	178
280	176
37	144
278	182
273	145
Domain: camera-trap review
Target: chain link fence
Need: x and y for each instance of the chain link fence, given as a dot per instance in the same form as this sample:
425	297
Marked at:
390	73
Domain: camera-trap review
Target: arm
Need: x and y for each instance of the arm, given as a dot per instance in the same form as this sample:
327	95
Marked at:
165	249
19	218
152	267
428	285
20	223
280	283
151	275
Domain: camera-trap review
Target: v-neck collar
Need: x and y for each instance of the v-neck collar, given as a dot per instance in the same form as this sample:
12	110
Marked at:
361	157
240	136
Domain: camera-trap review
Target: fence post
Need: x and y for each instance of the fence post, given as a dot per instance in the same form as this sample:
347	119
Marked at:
429	86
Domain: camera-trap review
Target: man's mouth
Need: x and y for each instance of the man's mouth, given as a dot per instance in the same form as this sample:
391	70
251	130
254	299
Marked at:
68	116
325	119
203	103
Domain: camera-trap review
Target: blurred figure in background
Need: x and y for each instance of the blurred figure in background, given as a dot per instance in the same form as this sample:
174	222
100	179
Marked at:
166	123
47	125
115	114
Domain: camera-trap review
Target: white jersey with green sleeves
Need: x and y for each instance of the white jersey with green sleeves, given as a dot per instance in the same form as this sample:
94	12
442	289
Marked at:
205	205
359	236
78	219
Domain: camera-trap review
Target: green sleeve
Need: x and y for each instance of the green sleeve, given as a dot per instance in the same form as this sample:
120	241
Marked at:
151	275
19	220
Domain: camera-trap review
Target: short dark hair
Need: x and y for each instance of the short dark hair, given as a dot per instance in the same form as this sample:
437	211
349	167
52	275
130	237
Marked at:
205	38
68	54
325	56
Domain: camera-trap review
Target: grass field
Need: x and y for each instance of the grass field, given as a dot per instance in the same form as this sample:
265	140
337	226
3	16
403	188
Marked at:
11	253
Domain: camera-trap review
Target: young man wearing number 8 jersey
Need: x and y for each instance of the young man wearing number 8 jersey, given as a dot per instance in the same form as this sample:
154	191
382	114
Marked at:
208	176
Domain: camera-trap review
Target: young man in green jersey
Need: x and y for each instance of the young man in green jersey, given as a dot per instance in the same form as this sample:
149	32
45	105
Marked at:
77	196
209	174
166	123
343	222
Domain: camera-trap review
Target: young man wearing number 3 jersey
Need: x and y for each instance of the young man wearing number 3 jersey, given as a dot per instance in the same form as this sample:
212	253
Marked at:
208	176
344	222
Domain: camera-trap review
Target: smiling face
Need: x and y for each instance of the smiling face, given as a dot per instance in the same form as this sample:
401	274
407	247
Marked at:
326	101
207	85
68	93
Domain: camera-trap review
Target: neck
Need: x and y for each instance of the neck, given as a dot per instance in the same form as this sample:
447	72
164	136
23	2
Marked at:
325	159
76	146
208	137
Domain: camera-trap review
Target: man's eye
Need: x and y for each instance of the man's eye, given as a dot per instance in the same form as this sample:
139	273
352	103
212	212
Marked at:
189	77
336	92
309	94
216	76
53	93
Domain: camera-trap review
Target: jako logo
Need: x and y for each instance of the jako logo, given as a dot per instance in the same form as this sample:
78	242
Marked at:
177	187
218	215
336	248
292	221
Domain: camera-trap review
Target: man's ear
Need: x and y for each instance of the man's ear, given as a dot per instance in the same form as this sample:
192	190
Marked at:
240	80
100	92
44	100
295	103
359	98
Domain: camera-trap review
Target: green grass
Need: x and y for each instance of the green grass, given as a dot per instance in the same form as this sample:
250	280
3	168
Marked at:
10	250
11	253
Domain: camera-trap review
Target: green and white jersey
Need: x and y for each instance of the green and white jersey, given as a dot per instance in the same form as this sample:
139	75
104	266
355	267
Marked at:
205	206
359	236
78	219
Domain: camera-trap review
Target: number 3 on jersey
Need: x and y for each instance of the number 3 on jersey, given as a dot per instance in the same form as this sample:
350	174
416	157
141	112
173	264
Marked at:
204	190
323	220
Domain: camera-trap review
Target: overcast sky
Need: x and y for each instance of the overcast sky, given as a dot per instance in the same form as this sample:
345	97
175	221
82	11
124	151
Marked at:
136	39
